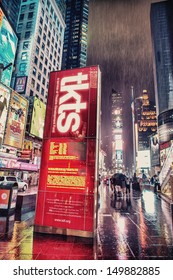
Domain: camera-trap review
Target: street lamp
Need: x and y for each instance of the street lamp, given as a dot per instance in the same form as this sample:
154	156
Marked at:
133	126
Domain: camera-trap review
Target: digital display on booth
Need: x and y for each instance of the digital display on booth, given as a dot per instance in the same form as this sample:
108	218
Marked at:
69	161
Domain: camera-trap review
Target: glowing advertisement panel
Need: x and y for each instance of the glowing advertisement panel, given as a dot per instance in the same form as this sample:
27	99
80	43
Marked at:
16	121
4	104
69	163
8	45
38	118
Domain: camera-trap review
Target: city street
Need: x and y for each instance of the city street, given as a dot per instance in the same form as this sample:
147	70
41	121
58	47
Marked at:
137	227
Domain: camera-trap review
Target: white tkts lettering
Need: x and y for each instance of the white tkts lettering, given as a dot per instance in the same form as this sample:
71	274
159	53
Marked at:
71	121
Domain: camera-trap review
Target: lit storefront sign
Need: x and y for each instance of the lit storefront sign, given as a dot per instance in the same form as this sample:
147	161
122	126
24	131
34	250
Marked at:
4	104
69	161
16	121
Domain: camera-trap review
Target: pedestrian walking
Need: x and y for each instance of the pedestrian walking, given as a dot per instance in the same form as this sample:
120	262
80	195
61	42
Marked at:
128	185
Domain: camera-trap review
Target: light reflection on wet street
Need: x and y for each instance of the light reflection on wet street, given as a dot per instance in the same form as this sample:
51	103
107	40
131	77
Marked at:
138	227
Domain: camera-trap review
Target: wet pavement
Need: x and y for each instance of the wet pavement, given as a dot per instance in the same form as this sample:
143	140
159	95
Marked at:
138	227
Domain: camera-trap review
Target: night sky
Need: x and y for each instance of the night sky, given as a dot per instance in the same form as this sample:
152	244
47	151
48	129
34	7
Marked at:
119	41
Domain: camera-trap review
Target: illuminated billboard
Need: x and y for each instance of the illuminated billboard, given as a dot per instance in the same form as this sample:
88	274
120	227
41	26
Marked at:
154	147
69	163
8	45
4	104
20	84
16	121
38	118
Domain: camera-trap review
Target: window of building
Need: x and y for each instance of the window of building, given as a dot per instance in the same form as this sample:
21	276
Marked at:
23	8
26	45
29	24
32	82
35	60
42	55
42	91
47	19
42	12
38	87
49	34
20	25
30	15
44	37
40	66
34	71
27	34
43	46
44	81
24	55
45	27
50	57
39	76
22	67
46	61
48	43
41	20
21	17
32	6
45	71
31	92
40	30
38	39
37	50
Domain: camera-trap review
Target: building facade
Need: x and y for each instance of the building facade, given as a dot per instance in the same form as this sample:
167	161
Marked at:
117	132
41	32
12	10
76	34
162	42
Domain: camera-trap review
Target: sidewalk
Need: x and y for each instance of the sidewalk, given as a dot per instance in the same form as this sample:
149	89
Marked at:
135	227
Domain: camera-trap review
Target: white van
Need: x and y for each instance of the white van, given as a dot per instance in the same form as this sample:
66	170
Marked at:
4	180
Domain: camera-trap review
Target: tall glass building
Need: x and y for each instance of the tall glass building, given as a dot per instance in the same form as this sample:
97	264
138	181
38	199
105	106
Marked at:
11	8
76	32
162	40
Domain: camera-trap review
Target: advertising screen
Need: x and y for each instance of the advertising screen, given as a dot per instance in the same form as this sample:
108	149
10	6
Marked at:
8	45
38	118
4	104
69	160
16	121
20	84
154	146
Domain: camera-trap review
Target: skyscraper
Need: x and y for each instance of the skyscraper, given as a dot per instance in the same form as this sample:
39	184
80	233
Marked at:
162	40
117	131
76	32
40	31
62	6
11	8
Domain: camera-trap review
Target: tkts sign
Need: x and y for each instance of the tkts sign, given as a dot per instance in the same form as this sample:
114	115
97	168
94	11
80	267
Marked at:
70	103
69	164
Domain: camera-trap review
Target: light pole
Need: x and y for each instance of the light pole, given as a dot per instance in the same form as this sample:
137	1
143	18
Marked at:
133	126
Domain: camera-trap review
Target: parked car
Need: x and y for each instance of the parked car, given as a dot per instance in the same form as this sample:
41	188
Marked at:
4	180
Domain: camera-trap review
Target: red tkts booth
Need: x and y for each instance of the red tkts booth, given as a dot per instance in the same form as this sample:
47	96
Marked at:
67	193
